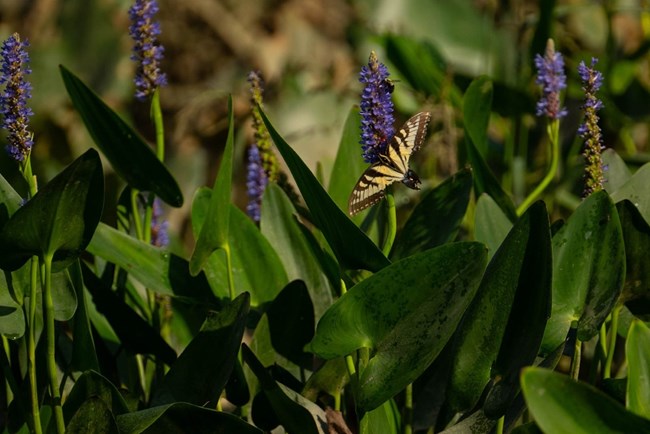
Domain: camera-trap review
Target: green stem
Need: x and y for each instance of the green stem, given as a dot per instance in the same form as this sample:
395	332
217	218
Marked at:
408	409
137	222
231	281
148	215
31	347
391	229
156	114
553	131
613	330
500	423
48	310
577	357
337	400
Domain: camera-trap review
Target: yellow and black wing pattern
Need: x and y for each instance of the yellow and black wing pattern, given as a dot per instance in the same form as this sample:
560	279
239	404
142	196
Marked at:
392	166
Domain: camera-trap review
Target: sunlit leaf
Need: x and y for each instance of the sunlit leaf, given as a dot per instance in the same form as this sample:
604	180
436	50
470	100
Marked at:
637	352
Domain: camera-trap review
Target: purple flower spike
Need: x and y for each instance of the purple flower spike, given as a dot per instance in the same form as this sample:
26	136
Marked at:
147	50
256	181
159	226
13	101
376	109
551	77
589	129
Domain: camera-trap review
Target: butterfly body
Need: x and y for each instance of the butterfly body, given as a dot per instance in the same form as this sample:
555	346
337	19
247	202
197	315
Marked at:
392	165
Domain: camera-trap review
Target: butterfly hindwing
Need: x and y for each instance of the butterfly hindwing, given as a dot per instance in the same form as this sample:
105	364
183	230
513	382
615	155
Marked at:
392	166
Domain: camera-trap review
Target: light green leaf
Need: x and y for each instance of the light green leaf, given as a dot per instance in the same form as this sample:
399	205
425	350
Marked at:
637	351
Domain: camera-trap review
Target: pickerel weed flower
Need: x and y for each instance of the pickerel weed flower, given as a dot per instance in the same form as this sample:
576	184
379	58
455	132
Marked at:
256	182
13	100
376	109
262	139
589	129
159	226
551	77
147	51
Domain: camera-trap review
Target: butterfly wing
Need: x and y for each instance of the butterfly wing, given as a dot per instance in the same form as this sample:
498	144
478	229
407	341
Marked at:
408	140
392	165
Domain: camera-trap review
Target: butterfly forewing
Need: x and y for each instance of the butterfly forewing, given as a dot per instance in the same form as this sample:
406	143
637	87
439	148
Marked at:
392	166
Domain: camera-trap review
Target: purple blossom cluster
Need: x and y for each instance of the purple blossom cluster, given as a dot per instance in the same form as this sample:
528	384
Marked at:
551	77
376	109
589	130
256	181
13	100
159	226
147	51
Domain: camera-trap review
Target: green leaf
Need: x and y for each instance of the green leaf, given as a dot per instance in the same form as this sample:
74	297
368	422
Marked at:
288	409
93	417
256	266
520	270
637	352
59	220
491	225
200	373
476	110
214	235
636	235
157	269
177	417
562	405
384	419
12	319
588	270
477	423
617	173
84	355
280	227
348	165
92	384
9	200
133	331
635	190
405	313
129	155
437	218
291	322
353	249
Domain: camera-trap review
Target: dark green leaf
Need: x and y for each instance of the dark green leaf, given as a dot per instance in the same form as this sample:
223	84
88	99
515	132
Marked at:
560	404
476	110
134	332
436	219
200	373
635	190
520	270
93	417
176	418
477	423
157	269
352	247
59	220
289	409
637	352
588	270
214	235
256	266
93	384
280	227
129	155
12	319
330	378
291	321
405	313
84	355
491	225
9	200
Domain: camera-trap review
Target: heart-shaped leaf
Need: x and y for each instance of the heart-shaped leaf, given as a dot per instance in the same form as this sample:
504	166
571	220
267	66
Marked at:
436	219
59	220
93	384
491	225
405	313
588	270
214	235
560	404
637	352
353	249
635	190
129	155
617	173
93	417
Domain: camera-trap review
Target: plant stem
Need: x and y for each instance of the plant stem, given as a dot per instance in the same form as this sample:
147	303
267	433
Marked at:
391	229
231	281
137	222
31	347
48	310
575	363
156	115
613	330
500	423
553	130
408	409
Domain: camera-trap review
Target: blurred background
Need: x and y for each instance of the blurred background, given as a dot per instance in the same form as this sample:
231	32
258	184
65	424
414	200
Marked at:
309	53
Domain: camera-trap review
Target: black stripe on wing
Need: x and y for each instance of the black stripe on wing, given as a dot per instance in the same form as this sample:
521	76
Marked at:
408	140
371	187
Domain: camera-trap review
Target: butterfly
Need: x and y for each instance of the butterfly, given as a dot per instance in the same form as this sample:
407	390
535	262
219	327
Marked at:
393	165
